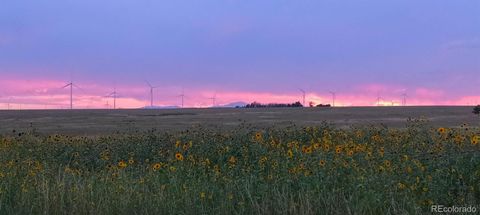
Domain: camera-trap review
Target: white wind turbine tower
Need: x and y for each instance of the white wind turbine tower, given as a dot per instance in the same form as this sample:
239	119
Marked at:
378	99
113	95
303	96
3	102
151	93
182	95
334	96
71	85
404	99
9	101
214	98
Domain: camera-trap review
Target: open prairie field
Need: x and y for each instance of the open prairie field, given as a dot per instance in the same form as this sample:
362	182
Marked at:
239	161
93	122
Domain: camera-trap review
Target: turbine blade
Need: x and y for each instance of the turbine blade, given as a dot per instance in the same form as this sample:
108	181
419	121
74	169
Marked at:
148	83
83	91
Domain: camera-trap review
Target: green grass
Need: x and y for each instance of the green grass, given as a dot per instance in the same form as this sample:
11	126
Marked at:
291	170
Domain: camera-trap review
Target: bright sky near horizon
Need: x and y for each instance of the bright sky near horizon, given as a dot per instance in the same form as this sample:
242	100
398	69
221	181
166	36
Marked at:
240	50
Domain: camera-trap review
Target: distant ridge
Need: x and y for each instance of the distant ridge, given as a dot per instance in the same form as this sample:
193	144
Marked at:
160	107
234	104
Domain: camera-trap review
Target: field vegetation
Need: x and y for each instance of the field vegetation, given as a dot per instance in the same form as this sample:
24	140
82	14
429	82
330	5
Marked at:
292	170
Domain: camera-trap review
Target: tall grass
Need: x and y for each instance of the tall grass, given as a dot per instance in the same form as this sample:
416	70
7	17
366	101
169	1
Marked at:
311	170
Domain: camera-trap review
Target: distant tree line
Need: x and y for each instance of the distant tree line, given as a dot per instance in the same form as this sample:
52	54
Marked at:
276	105
476	110
271	105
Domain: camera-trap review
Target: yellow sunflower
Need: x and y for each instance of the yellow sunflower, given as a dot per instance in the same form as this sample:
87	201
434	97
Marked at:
322	163
308	150
474	140
401	186
232	160
179	156
350	153
258	137
326	147
442	130
122	164
387	163
338	149
290	153
157	166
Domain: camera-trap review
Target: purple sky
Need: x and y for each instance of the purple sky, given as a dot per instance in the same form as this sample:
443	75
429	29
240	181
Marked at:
245	46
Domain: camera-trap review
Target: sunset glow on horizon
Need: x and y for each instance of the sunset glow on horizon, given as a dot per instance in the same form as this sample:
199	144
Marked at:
369	53
48	95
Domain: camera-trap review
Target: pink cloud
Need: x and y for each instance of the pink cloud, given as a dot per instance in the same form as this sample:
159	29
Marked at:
380	89
43	93
428	93
466	100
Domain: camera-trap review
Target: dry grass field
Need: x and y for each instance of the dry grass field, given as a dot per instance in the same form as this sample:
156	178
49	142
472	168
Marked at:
96	122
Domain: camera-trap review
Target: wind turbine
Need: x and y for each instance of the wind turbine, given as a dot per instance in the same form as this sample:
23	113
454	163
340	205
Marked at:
303	96
151	92
113	95
334	96
71	85
378	99
2	102
182	95
214	98
8	104
404	99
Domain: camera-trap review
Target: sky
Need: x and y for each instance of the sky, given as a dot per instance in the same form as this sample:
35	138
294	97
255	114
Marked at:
238	50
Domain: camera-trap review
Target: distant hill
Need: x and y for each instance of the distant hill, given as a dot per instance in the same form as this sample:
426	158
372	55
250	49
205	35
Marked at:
235	104
229	105
161	107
